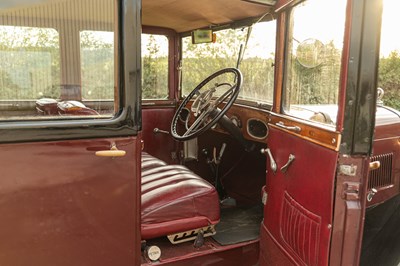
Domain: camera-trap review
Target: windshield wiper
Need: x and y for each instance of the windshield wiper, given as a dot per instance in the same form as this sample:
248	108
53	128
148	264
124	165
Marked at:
242	48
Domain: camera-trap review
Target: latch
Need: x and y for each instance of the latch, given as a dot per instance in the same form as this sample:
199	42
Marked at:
264	195
351	191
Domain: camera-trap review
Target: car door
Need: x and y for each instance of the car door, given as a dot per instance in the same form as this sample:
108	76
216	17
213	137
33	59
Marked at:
316	165
70	138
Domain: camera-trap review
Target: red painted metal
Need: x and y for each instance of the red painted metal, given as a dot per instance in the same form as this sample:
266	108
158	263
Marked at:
387	141
350	197
62	205
243	254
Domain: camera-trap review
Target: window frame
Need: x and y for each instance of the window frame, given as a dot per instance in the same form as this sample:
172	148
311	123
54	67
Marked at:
126	122
282	108
173	63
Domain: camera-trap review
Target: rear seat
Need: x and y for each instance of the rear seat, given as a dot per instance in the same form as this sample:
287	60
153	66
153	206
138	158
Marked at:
174	199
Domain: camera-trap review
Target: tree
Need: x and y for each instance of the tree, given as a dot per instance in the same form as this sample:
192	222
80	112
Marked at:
389	79
155	68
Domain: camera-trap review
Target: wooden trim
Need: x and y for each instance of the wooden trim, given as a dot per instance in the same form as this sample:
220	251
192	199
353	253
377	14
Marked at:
279	62
321	135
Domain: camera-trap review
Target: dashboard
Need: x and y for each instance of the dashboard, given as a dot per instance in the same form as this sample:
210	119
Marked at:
252	122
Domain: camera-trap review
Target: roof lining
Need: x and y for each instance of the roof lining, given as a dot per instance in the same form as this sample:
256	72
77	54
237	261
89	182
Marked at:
185	16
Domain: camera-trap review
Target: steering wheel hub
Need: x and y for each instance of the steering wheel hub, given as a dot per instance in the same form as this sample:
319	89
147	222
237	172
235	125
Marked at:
207	103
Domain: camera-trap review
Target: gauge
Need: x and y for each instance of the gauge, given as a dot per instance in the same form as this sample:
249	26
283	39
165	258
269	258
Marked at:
257	128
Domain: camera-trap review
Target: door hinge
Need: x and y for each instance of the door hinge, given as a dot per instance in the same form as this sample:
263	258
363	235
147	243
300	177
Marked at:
351	191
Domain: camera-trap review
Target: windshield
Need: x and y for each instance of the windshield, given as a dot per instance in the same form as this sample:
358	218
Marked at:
201	60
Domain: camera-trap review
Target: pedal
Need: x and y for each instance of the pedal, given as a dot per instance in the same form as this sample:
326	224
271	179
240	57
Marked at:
199	241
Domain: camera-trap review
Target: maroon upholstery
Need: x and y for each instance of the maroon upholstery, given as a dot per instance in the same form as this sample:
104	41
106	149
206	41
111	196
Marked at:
174	199
150	162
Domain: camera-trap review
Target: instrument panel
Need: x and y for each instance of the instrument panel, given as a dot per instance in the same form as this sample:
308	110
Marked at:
252	122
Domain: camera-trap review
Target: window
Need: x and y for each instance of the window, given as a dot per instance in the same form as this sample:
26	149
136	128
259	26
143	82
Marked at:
57	61
201	60
154	67
29	63
389	63
314	59
97	65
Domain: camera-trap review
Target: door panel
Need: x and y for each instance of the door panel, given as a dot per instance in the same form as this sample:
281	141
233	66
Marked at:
300	201
62	205
160	145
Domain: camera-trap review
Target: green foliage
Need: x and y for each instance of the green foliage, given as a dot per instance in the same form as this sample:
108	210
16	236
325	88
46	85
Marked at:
29	63
155	71
97	65
201	60
318	84
389	79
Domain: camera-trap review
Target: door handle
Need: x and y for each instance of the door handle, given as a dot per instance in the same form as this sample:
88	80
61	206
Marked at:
273	165
289	162
290	128
157	130
112	152
374	165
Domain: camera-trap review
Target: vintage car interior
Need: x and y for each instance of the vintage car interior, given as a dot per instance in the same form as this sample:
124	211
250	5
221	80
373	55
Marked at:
250	141
228	146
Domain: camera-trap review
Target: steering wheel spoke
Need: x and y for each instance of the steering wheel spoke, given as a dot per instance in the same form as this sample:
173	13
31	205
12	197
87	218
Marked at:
206	99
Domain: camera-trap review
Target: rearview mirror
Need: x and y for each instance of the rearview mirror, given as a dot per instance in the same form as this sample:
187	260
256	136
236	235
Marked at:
203	36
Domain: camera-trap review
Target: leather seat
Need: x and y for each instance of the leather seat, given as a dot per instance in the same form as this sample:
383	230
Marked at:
149	161
174	199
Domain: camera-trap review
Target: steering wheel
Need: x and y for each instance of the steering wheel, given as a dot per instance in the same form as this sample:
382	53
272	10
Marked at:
222	86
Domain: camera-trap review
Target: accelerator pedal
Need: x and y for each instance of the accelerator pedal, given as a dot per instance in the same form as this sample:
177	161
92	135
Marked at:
192	234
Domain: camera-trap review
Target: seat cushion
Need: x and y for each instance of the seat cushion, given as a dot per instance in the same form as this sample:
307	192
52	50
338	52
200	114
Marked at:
174	200
149	161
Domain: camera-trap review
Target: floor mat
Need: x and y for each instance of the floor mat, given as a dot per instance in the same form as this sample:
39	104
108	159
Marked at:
239	225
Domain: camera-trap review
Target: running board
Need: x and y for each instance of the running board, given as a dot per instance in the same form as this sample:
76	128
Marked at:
192	234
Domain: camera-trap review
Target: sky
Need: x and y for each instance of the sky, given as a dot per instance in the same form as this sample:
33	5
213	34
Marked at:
390	39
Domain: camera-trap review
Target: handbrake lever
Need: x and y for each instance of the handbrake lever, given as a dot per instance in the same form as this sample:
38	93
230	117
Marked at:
221	152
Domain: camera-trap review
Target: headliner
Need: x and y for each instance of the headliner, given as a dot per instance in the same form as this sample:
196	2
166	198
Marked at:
186	15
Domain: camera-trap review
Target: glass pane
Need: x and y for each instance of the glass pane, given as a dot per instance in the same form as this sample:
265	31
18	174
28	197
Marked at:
97	65
201	60
257	65
314	60
29	63
155	66
389	64
57	60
